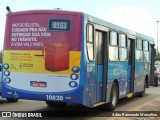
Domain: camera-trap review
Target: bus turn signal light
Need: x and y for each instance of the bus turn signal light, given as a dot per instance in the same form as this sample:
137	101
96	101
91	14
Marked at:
6	73
74	76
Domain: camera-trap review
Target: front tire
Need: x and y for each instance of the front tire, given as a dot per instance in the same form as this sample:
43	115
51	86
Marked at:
113	97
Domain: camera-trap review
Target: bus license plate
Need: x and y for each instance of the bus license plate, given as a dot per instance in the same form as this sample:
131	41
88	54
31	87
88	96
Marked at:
38	84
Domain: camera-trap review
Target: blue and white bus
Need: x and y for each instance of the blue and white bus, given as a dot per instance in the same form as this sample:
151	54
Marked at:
63	57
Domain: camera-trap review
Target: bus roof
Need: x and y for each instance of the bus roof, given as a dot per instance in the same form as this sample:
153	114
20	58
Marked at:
43	12
91	19
118	28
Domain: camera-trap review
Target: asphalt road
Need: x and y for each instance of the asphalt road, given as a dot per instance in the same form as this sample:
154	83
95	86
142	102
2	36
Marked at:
150	102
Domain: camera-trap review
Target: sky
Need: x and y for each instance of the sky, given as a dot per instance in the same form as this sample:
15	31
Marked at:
137	15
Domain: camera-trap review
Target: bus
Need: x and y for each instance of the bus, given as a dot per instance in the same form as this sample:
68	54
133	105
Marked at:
69	57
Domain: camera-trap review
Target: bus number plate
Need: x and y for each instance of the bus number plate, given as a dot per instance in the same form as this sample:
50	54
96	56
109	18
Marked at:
54	97
38	84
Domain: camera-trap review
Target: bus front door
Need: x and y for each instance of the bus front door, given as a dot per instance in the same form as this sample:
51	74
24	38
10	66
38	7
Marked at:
101	66
97	65
131	65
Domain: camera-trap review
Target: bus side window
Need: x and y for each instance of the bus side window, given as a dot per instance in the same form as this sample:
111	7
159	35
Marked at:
113	48
99	46
139	52
90	42
123	48
146	51
139	44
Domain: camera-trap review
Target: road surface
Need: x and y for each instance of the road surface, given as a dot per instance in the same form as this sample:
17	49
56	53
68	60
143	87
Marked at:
150	102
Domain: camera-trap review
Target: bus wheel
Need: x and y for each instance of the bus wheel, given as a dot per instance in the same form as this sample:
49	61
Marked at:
56	104
12	100
113	97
